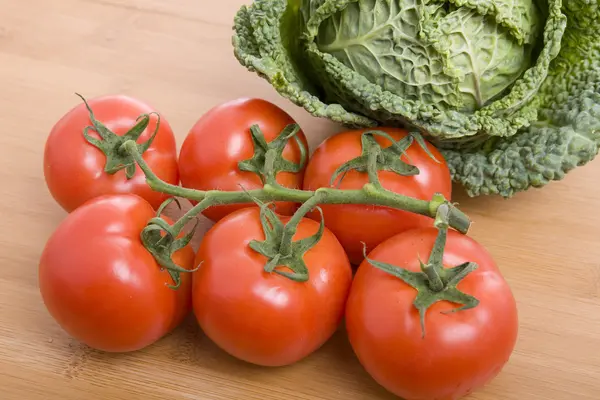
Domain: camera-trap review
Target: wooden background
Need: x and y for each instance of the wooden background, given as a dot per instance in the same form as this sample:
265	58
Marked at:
176	55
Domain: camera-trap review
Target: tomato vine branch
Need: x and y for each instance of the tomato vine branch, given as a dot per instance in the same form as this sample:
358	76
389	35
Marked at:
370	194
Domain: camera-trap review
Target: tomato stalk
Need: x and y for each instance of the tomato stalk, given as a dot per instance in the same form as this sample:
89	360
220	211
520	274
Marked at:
369	194
434	282
290	228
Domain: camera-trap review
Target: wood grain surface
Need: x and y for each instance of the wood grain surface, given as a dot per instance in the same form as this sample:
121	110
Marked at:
177	55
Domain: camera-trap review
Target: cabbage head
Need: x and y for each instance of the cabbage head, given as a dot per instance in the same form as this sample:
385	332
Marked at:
509	90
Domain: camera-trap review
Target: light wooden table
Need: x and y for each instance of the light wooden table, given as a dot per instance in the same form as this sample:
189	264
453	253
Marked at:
176	54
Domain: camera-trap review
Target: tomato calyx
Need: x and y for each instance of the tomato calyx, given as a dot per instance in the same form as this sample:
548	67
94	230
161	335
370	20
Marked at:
285	256
111	144
374	158
434	282
268	158
161	240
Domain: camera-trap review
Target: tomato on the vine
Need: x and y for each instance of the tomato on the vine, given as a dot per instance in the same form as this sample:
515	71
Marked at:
354	224
266	318
457	352
100	283
74	168
221	138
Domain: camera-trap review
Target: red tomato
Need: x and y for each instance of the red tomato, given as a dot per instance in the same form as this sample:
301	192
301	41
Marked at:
353	224
265	318
102	286
460	352
221	138
74	168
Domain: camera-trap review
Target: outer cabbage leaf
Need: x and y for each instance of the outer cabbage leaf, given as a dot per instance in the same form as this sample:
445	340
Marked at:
262	47
583	14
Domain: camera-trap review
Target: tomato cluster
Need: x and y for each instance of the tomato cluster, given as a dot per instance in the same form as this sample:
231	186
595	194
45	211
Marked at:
104	287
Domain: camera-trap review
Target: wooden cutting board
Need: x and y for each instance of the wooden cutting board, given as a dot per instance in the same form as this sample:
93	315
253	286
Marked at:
177	55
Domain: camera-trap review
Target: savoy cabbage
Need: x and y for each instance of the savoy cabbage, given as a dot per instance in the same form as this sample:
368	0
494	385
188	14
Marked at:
509	90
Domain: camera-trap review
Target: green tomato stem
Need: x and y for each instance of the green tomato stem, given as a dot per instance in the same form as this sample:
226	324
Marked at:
270	157
290	228
434	268
433	276
373	155
370	194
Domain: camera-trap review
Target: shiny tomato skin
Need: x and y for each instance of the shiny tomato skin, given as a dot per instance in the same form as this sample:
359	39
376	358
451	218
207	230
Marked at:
461	351
263	318
220	139
354	224
74	169
102	286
